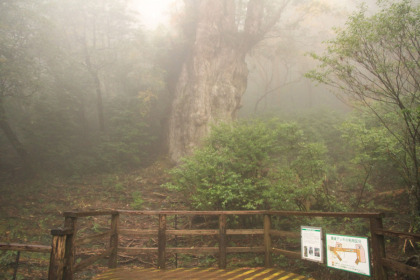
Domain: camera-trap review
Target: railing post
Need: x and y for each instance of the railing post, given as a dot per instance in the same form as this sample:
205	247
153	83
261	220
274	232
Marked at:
57	257
378	249
222	241
113	242
162	241
267	240
16	265
70	251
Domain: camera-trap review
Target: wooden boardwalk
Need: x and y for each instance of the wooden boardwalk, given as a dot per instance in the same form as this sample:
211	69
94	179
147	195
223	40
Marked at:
199	273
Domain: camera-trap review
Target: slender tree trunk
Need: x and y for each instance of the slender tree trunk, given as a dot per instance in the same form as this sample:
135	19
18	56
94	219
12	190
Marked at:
95	77
14	141
99	101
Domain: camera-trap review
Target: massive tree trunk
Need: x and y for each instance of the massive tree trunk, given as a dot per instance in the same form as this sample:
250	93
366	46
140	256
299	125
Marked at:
214	75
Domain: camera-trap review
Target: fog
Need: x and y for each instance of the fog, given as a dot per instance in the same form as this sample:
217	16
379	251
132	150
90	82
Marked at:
97	81
276	84
208	105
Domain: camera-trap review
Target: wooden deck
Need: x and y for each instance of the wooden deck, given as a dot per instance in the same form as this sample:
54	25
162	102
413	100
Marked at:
199	273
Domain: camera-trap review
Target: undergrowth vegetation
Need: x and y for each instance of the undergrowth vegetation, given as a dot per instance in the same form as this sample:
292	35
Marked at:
254	165
289	165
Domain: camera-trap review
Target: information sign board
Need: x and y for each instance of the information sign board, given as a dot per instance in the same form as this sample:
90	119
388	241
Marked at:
348	253
311	243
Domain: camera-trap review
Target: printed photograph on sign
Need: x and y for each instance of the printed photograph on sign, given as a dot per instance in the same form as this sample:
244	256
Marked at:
311	243
348	253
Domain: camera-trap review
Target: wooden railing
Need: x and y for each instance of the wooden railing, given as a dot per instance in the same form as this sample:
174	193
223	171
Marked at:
23	248
392	264
64	242
222	232
62	261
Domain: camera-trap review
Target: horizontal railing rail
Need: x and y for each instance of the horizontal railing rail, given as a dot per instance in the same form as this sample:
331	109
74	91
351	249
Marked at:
399	234
254	212
25	247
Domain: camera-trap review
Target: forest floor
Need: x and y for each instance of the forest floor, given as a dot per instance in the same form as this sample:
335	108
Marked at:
29	210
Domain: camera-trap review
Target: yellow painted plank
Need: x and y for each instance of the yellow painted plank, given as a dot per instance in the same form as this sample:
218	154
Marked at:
245	273
264	271
200	273
231	272
287	276
274	275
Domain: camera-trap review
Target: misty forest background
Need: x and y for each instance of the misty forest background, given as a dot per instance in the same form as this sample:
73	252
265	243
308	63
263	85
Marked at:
89	91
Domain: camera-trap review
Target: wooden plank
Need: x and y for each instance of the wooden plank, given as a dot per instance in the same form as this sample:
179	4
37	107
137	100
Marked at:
193	232
79	214
402	235
267	241
257	231
378	249
328	214
401	267
25	247
187	213
90	238
259	212
141	232
137	250
113	241
222	241
87	262
282	233
192	250
254	249
181	232
162	242
290	254
201	273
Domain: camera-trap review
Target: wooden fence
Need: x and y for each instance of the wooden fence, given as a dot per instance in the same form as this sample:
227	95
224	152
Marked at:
64	242
23	248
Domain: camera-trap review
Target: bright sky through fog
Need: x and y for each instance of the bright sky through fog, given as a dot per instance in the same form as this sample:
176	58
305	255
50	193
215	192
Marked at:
153	12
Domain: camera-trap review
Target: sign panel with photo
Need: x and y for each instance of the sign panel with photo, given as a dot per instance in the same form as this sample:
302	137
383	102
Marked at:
311	240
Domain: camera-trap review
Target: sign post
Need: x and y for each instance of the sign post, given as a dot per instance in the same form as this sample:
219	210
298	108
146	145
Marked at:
348	253
311	243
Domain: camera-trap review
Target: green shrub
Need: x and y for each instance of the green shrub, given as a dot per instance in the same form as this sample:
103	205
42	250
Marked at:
138	201
253	165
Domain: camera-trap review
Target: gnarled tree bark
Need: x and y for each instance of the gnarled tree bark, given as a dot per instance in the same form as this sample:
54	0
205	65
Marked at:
214	75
